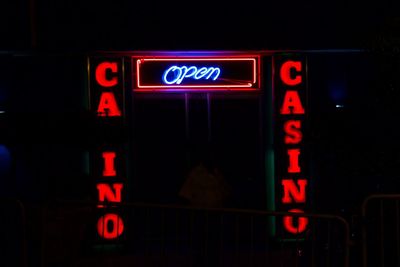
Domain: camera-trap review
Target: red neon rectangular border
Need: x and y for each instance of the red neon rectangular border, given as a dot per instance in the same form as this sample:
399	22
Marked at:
171	88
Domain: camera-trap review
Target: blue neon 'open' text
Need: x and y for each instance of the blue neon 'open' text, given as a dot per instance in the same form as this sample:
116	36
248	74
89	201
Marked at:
175	74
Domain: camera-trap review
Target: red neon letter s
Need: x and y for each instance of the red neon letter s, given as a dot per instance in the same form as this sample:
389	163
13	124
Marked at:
101	74
293	133
293	193
110	226
285	73
301	223
292	103
109	169
108	106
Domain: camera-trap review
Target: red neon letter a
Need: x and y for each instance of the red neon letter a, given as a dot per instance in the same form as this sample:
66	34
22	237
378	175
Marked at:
293	193
108	105
285	73
292	103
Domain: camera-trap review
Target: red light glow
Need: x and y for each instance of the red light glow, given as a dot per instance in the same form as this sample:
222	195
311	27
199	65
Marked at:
110	226
288	223
101	74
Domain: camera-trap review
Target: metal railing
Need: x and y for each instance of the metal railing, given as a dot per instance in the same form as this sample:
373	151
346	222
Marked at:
170	235
381	230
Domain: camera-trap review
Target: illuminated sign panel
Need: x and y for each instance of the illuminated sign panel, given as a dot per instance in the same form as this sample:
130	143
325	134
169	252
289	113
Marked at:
182	72
291	168
107	102
197	73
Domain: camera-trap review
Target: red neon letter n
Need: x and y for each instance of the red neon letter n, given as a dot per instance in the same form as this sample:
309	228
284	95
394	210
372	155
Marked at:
111	195
293	193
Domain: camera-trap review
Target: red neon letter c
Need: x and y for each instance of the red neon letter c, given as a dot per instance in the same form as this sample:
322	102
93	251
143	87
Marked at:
285	73
101	76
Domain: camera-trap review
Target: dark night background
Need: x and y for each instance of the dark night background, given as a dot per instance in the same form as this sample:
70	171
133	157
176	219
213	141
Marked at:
47	129
172	25
43	44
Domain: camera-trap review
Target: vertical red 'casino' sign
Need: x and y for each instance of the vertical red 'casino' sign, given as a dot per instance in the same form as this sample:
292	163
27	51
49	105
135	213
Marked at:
106	89
291	161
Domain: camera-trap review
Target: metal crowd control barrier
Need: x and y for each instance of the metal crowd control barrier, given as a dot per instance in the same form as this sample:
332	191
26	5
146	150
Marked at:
12	233
381	231
168	235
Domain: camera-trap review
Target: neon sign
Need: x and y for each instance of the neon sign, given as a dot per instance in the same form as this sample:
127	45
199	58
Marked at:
106	84
180	73
291	169
196	73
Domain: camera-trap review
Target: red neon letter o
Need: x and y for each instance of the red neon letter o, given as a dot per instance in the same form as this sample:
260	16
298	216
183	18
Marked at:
103	225
301	224
101	74
285	73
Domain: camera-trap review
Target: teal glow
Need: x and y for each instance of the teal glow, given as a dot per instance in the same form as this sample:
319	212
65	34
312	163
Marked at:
269	160
270	184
